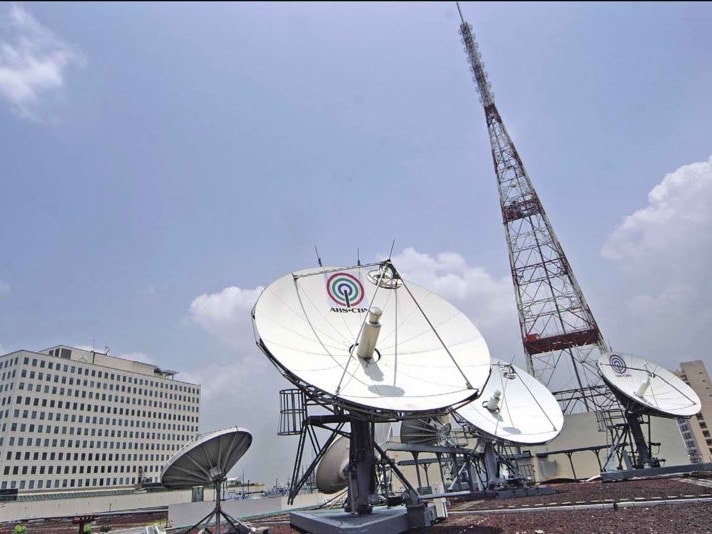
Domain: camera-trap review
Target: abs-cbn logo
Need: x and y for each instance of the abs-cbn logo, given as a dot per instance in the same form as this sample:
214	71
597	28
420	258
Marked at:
346	291
618	364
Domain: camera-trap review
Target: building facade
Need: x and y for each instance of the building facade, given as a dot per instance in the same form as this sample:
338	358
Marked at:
696	430
76	419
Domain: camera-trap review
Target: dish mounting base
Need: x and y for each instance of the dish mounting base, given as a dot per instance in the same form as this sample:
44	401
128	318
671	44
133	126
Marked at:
613	476
217	516
381	521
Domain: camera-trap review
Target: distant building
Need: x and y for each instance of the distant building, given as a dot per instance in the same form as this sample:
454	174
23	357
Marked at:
72	418
696	430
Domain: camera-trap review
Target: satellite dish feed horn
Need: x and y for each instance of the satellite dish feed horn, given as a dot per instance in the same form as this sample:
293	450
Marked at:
369	334
494	401
640	392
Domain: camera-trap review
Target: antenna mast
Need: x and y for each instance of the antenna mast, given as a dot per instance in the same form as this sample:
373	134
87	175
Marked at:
561	338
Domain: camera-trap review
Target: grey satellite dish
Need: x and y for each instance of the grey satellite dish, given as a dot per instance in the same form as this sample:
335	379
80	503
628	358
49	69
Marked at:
514	407
645	387
332	472
369	341
206	461
430	431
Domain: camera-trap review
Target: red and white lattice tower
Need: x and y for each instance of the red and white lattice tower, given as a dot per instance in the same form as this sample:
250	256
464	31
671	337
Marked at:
561	338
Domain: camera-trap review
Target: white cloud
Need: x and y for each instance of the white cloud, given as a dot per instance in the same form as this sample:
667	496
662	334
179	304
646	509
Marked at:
664	250
226	314
33	61
673	222
487	300
244	392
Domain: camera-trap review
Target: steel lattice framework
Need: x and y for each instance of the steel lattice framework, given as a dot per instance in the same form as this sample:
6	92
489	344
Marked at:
561	338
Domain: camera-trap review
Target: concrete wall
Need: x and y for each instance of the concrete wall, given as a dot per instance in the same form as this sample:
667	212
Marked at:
187	514
581	430
13	511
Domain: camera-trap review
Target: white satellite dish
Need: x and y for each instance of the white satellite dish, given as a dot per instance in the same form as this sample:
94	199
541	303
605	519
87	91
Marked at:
206	459
514	407
363	338
332	472
645	387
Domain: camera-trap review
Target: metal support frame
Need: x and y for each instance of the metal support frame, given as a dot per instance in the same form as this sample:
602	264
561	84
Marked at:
216	514
364	468
308	425
477	469
628	436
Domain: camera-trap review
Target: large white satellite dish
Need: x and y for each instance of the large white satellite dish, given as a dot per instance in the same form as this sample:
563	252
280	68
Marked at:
363	338
645	387
514	407
206	459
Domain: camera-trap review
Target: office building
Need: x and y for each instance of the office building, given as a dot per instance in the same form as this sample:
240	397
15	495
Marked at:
696	430
76	419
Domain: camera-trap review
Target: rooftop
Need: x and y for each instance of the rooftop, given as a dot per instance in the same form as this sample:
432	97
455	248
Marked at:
102	359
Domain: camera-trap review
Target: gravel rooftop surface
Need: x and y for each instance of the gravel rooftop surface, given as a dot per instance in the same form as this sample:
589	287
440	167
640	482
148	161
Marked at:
596	492
679	518
682	518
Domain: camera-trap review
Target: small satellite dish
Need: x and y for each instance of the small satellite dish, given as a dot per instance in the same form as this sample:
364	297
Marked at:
332	472
645	387
207	459
514	407
365	339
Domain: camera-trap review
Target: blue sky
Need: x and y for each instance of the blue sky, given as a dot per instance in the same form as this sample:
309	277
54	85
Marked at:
159	163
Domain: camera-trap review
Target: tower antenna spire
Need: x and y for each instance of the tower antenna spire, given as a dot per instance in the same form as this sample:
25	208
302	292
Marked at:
560	336
460	12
